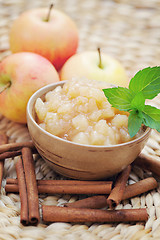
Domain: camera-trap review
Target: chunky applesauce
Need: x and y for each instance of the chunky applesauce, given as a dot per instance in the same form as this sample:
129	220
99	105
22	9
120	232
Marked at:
79	112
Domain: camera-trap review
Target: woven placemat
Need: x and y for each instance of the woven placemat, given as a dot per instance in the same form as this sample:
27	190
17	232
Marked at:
130	32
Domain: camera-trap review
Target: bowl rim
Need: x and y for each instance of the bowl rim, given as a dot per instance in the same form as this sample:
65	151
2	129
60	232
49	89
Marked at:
29	114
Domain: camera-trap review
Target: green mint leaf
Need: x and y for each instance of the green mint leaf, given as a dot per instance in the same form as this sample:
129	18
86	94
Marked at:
119	97
138	102
134	123
144	85
151	117
146	81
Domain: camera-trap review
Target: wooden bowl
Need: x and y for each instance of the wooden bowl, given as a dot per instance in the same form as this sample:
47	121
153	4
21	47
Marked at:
80	161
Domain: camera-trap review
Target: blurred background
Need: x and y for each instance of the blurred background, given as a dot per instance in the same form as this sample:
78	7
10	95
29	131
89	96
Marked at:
127	30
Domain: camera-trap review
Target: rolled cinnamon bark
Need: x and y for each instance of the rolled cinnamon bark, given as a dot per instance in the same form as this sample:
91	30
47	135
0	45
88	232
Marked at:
15	146
12	188
67	189
31	184
3	140
24	216
10	154
62	214
132	190
149	163
117	192
76	189
140	187
93	202
63	182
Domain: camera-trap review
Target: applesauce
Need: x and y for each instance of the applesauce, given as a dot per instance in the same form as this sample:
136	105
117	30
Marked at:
79	112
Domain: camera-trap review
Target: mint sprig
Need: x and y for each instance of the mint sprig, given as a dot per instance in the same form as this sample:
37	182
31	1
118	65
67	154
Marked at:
144	85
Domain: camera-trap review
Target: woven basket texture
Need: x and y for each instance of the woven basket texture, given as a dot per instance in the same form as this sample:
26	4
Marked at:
130	32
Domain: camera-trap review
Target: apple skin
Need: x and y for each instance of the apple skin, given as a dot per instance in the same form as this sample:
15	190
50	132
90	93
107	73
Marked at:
85	64
56	40
26	72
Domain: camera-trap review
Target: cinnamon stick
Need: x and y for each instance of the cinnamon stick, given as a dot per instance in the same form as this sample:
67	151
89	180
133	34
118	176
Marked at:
3	140
24	217
132	190
93	202
149	163
62	214
140	187
67	189
117	192
31	184
15	146
76	189
63	182
13	154
9	154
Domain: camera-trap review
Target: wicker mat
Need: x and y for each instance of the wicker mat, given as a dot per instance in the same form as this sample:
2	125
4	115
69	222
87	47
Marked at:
129	31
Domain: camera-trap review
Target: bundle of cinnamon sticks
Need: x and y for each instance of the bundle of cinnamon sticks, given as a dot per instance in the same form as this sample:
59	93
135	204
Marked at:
10	150
74	212
25	176
106	193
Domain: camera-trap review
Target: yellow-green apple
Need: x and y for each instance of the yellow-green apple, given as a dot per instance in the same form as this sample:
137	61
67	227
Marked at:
53	36
21	74
92	65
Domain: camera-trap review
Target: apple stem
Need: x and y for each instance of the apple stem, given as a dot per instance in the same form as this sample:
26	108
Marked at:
49	12
7	85
100	59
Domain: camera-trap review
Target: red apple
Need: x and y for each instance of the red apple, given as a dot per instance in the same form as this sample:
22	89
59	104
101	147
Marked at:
54	37
92	65
21	74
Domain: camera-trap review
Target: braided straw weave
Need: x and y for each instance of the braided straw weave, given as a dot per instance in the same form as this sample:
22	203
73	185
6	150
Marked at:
130	32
